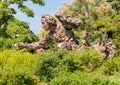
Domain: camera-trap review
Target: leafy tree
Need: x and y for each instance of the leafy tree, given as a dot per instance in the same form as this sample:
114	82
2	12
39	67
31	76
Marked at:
12	29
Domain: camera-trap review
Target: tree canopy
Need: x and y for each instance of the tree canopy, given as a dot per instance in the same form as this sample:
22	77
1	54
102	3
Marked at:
13	30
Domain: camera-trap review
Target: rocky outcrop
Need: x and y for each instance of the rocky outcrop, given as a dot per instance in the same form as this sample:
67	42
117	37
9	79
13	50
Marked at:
61	32
106	49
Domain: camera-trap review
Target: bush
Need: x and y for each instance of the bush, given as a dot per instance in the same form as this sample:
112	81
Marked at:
17	68
47	63
82	78
52	63
116	42
110	67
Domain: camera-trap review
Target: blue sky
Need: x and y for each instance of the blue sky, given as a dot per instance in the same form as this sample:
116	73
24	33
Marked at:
51	6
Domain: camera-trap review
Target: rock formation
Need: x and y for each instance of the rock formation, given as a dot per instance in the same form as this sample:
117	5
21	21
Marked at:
61	32
107	50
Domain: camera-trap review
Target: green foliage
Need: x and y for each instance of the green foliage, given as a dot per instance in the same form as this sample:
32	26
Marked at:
68	78
110	67
98	16
115	5
17	68
82	78
57	68
42	33
16	31
107	24
6	43
24	8
62	67
116	41
51	63
77	68
12	30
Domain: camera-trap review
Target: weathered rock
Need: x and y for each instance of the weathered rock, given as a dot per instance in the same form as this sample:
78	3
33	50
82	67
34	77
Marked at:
61	33
66	20
48	22
108	50
104	39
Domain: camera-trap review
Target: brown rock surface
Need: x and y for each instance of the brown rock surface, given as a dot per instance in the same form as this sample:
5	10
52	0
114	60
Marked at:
108	50
61	32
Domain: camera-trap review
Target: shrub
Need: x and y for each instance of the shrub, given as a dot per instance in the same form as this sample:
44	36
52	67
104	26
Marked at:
82	78
17	68
48	62
84	60
110	67
51	63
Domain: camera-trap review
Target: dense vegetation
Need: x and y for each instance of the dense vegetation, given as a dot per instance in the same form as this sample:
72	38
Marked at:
13	30
85	67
